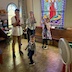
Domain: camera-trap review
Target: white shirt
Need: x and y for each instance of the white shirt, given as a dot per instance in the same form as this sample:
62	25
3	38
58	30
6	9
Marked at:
17	31
29	25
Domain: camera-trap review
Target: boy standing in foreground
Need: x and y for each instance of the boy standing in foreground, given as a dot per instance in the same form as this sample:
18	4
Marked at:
31	48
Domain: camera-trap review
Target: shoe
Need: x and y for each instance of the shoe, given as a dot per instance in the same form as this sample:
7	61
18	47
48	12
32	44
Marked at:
45	47
21	44
21	53
42	46
14	56
31	63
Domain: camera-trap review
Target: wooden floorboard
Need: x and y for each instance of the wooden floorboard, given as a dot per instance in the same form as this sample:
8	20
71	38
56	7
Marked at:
46	60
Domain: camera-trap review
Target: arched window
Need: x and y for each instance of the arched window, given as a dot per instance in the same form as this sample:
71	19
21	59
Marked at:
11	9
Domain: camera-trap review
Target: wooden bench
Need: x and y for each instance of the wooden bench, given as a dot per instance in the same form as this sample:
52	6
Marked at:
56	35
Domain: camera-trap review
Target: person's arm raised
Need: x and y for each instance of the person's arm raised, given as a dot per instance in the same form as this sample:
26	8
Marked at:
14	23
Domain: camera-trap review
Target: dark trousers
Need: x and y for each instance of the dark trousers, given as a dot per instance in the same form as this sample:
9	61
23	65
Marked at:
30	54
45	41
29	33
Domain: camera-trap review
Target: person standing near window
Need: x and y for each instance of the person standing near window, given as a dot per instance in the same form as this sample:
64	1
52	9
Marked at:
17	31
30	25
46	34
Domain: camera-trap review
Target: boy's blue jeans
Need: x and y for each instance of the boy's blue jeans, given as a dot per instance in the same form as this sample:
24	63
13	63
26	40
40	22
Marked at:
30	54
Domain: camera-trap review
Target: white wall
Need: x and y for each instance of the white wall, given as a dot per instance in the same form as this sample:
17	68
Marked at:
68	14
37	10
34	5
29	6
4	3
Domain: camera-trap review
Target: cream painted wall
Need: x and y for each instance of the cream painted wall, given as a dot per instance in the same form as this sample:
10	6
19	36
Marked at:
4	3
34	5
68	14
37	10
29	6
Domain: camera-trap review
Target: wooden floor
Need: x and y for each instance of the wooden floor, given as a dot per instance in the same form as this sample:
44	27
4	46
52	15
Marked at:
46	60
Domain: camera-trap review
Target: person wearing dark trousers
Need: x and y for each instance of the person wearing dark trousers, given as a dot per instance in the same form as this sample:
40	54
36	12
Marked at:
31	48
45	41
46	34
45	37
30	32
31	53
30	25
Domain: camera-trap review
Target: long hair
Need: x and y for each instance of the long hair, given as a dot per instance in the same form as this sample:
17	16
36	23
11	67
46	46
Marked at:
45	27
